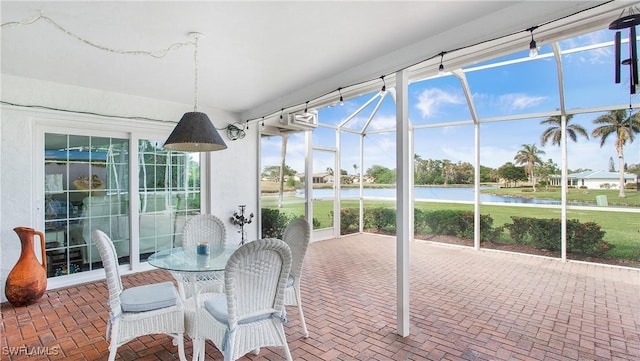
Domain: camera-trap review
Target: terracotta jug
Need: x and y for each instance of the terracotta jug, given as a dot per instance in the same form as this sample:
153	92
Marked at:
27	281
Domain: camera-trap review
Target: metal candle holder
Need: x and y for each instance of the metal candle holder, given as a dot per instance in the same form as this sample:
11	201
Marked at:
240	220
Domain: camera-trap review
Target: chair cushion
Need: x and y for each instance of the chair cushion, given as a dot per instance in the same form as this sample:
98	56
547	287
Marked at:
149	297
217	307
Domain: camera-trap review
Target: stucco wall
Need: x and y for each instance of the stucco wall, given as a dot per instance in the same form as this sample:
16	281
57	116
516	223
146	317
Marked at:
234	173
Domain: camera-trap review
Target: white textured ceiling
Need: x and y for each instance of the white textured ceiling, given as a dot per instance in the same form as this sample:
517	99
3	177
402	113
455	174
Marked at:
256	57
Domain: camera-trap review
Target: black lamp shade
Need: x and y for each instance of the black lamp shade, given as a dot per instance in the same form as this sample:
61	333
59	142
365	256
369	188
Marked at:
195	133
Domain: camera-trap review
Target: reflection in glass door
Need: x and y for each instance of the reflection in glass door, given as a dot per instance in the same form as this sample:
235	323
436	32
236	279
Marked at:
169	190
85	188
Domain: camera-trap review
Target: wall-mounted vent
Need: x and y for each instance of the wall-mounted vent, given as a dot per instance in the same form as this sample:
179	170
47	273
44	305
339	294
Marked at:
300	121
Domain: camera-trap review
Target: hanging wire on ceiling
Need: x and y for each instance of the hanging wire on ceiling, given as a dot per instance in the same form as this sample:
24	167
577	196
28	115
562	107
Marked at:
153	53
163	52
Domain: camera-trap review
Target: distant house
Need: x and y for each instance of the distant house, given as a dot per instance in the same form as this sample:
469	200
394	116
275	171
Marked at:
319	178
596	179
365	179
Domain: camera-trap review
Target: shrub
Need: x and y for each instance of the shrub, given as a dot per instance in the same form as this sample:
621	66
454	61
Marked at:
348	220
545	233
420	221
441	222
459	224
519	229
585	239
274	222
380	218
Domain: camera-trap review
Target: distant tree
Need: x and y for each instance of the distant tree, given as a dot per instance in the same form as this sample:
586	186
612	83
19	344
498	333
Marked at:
634	168
554	132
283	166
547	169
579	170
529	156
488	174
381	175
511	173
273	172
624	128
464	173
612	165
355	169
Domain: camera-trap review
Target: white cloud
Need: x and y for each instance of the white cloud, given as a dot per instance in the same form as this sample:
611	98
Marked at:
518	101
459	154
495	157
383	122
431	99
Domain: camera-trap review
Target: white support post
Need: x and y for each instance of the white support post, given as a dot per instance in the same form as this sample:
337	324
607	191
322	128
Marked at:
563	147
308	181
403	201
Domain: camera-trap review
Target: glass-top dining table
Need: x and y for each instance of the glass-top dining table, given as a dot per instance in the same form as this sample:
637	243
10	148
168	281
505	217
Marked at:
187	259
193	271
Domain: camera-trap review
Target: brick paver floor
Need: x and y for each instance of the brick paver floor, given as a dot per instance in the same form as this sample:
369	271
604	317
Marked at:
465	305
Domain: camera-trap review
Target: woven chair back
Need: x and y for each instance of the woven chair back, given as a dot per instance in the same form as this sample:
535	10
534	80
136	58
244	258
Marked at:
204	228
255	279
296	235
110	263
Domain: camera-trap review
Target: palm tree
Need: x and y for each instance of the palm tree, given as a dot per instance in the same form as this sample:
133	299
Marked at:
625	128
554	132
283	158
529	156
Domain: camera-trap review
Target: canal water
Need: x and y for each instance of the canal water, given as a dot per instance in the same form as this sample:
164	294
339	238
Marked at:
434	193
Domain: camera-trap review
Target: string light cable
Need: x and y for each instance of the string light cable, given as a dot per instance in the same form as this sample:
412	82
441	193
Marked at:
435	56
44	107
154	53
163	52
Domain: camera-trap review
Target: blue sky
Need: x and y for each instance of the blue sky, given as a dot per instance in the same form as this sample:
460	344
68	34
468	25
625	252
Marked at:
526	87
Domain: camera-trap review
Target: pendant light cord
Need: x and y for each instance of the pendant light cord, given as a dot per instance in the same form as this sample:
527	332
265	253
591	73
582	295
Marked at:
195	78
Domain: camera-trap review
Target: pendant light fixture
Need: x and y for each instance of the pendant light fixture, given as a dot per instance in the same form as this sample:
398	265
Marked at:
533	46
441	67
195	132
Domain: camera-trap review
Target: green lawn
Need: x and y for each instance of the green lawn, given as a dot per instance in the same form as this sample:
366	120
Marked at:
632	196
622	228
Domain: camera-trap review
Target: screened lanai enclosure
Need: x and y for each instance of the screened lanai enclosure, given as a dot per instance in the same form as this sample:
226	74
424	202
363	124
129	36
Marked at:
526	150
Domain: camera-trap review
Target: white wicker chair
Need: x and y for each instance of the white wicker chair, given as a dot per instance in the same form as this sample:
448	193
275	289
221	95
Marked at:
201	228
296	236
251	314
204	228
133	313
